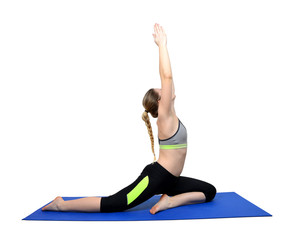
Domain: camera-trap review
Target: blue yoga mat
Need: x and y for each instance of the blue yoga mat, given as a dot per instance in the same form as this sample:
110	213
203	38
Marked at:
224	205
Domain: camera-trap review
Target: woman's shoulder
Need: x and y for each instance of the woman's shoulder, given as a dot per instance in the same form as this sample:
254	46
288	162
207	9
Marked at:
167	125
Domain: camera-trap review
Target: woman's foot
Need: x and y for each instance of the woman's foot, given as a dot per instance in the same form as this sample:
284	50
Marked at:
54	205
163	204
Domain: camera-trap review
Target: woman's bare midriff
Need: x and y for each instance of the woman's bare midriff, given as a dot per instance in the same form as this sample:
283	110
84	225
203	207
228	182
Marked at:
173	160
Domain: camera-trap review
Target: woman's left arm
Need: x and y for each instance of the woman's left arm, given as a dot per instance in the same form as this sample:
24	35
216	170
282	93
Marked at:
164	68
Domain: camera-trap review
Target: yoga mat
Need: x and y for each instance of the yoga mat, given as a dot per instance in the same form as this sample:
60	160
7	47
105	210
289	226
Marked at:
224	205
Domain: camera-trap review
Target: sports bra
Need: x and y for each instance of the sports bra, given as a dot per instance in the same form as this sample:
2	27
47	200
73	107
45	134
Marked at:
177	141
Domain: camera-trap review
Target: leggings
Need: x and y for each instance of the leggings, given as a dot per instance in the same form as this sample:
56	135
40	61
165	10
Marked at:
153	180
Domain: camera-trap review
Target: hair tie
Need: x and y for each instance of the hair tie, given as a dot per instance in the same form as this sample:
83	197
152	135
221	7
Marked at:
146	111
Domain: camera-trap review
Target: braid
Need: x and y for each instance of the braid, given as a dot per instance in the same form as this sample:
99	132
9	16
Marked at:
146	119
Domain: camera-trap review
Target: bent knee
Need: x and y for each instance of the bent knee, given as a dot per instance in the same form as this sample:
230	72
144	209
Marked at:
210	193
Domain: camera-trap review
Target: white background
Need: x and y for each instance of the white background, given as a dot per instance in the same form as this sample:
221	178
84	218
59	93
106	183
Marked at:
73	75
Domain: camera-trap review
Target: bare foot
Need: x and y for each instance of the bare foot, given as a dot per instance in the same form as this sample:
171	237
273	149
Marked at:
54	205
163	204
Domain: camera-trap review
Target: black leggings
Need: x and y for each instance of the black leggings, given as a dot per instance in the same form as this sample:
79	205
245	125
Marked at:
154	179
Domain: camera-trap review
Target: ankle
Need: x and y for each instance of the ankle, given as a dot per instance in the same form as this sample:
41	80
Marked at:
170	202
60	206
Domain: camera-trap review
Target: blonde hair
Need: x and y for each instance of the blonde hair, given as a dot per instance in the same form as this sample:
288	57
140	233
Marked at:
150	103
146	119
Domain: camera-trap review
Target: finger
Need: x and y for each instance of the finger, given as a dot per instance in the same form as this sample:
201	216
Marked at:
157	28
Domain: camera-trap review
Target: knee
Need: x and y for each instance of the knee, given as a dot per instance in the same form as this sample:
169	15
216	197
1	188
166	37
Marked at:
210	192
112	204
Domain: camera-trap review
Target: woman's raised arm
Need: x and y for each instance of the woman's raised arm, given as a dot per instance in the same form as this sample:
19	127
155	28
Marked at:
160	39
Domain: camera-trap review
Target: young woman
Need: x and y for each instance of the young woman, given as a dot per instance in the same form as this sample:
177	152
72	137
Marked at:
162	176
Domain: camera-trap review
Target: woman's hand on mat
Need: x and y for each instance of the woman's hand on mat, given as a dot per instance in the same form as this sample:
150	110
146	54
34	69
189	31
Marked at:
159	35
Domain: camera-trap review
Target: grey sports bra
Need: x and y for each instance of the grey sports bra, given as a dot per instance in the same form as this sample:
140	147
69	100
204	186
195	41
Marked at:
178	140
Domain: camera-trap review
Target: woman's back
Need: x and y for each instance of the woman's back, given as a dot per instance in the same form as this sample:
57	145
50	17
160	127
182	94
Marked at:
173	144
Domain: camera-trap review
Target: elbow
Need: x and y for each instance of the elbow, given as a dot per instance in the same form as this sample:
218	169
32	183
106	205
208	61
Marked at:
166	77
165	73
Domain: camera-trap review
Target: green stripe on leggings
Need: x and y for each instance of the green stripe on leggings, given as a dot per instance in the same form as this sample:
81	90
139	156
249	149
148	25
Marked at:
140	187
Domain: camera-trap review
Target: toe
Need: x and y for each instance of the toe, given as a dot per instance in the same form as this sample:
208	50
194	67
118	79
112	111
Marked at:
154	209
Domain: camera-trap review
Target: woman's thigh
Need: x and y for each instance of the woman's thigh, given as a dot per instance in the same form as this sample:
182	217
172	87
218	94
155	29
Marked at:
186	184
153	180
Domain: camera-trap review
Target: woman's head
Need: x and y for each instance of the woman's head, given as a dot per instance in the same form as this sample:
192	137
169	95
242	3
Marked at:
151	101
151	104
